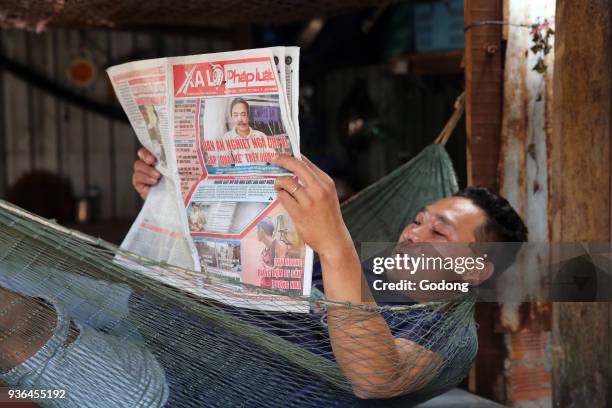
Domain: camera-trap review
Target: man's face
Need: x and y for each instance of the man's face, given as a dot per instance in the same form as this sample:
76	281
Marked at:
452	219
240	117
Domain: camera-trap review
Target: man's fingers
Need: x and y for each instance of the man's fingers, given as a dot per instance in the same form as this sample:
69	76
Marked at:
146	156
145	174
144	178
142	167
298	167
293	188
141	187
143	191
289	204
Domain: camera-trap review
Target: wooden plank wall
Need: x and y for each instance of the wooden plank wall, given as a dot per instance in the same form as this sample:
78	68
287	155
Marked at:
580	201
40	132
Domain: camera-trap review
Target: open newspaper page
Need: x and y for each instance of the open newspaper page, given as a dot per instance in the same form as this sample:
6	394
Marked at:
229	115
158	232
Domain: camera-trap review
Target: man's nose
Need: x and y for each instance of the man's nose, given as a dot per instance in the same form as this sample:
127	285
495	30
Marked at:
415	235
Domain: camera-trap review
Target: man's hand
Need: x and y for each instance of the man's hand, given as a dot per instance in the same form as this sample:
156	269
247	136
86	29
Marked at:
313	205
145	176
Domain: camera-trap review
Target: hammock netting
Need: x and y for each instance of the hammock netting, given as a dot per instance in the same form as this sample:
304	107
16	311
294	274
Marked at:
71	318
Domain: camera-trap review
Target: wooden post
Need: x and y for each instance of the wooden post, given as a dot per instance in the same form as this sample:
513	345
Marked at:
483	89
580	185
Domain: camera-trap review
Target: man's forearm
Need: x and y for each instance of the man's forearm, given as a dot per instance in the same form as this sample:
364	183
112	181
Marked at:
365	351
342	273
361	339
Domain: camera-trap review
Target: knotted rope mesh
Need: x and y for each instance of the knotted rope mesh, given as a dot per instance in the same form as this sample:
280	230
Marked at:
72	318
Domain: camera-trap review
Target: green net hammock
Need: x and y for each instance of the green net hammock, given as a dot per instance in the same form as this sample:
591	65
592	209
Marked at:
73	319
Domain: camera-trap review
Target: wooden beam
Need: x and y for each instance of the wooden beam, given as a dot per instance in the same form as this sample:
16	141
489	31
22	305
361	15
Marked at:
580	198
483	88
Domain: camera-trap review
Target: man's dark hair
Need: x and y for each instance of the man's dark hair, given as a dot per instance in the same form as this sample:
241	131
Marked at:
236	101
503	225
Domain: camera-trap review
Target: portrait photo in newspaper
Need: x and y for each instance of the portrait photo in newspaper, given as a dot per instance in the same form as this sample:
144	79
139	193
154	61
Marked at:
241	131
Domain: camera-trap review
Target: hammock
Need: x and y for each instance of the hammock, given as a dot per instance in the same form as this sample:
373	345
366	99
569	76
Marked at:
114	338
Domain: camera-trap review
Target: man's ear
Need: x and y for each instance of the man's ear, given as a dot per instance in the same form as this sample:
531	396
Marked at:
476	277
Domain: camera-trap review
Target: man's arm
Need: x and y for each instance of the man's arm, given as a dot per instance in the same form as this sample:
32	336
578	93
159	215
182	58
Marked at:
377	364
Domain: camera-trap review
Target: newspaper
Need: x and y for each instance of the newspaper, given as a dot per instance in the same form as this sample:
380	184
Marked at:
214	122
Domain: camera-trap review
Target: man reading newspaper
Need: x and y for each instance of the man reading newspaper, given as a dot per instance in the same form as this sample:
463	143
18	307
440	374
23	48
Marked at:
207	214
381	364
